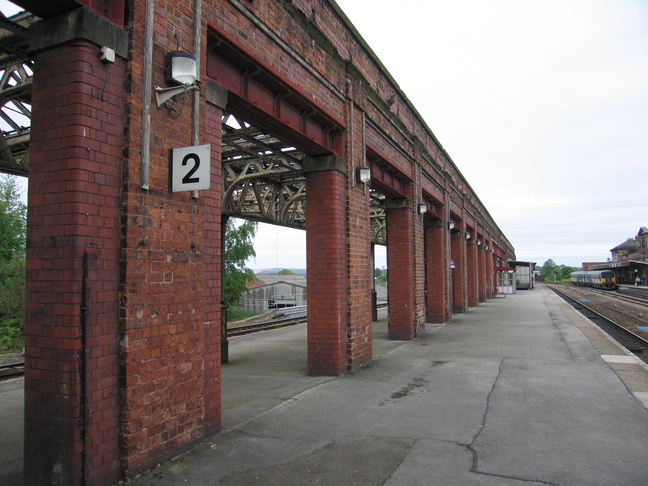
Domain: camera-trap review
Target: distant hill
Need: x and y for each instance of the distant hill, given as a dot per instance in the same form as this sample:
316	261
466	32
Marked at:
273	271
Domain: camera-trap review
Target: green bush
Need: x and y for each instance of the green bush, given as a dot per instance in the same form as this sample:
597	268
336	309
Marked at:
12	304
11	335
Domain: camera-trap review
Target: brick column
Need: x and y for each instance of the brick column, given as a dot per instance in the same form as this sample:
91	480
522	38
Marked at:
437	255
326	253
481	264
400	262
489	273
72	422
212	202
472	273
458	249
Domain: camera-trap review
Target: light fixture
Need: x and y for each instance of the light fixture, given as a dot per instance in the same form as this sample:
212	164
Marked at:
181	72
364	174
486	248
181	68
478	242
467	235
421	208
451	225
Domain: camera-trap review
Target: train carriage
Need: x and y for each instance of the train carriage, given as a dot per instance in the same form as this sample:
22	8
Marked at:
601	279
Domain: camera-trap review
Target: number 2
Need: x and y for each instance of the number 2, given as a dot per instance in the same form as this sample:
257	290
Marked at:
187	179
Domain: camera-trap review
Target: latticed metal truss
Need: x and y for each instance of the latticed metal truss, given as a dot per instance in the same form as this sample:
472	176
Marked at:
264	180
16	66
377	214
263	177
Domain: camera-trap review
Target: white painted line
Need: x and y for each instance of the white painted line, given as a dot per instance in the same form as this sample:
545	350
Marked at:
617	358
642	397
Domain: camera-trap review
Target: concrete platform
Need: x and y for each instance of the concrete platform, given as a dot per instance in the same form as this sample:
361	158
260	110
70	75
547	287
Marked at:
520	390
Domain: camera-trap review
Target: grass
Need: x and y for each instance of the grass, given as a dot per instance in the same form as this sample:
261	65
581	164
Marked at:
234	315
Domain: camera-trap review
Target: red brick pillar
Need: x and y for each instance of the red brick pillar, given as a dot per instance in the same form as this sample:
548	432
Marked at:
72	420
489	273
458	249
481	263
326	253
472	272
400	262
437	254
213	254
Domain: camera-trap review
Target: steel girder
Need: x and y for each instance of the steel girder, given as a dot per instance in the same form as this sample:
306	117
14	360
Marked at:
16	66
263	180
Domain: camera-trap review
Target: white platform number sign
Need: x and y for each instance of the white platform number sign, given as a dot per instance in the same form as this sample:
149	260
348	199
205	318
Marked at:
190	168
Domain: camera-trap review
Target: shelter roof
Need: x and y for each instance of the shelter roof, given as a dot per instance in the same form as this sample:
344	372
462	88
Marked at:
629	244
269	279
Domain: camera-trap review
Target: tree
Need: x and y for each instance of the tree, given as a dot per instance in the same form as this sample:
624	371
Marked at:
239	246
285	271
13	219
13	228
12	304
548	268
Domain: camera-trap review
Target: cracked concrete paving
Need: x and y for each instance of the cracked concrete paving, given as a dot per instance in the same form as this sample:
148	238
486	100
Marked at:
510	393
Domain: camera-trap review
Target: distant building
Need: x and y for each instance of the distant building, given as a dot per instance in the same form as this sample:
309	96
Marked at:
629	259
524	274
625	251
274	291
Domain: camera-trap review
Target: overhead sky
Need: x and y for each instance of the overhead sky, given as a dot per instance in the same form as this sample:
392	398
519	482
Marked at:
543	107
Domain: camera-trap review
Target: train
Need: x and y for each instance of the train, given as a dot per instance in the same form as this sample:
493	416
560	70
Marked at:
601	279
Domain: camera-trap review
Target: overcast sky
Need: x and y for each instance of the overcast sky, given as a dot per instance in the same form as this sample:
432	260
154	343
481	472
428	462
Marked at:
543	106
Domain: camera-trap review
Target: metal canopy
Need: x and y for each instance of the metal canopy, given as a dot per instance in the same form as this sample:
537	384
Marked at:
16	70
263	179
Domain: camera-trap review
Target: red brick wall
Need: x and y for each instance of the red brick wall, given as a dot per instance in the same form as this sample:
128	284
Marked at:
471	273
73	271
136	273
438	267
359	340
212	274
170	305
458	244
400	262
326	247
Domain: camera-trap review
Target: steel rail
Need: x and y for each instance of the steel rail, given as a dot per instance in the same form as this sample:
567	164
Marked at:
627	333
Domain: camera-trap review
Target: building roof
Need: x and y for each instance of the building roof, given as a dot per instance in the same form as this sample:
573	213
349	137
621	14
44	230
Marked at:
629	244
268	279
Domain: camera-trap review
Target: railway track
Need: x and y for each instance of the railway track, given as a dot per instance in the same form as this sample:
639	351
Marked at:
265	326
625	334
11	365
297	318
622	296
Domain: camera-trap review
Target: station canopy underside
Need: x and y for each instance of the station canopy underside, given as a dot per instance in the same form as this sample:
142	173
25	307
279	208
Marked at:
16	69
263	179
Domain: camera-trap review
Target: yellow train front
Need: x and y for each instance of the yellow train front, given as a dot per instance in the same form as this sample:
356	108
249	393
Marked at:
600	279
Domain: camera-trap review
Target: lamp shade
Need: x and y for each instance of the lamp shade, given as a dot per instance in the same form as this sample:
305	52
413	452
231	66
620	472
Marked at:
182	68
364	174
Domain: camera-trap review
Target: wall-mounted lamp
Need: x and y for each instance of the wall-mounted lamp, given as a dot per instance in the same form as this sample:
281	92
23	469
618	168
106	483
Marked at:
486	248
181	68
479	243
451	225
364	174
421	208
182	72
467	235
